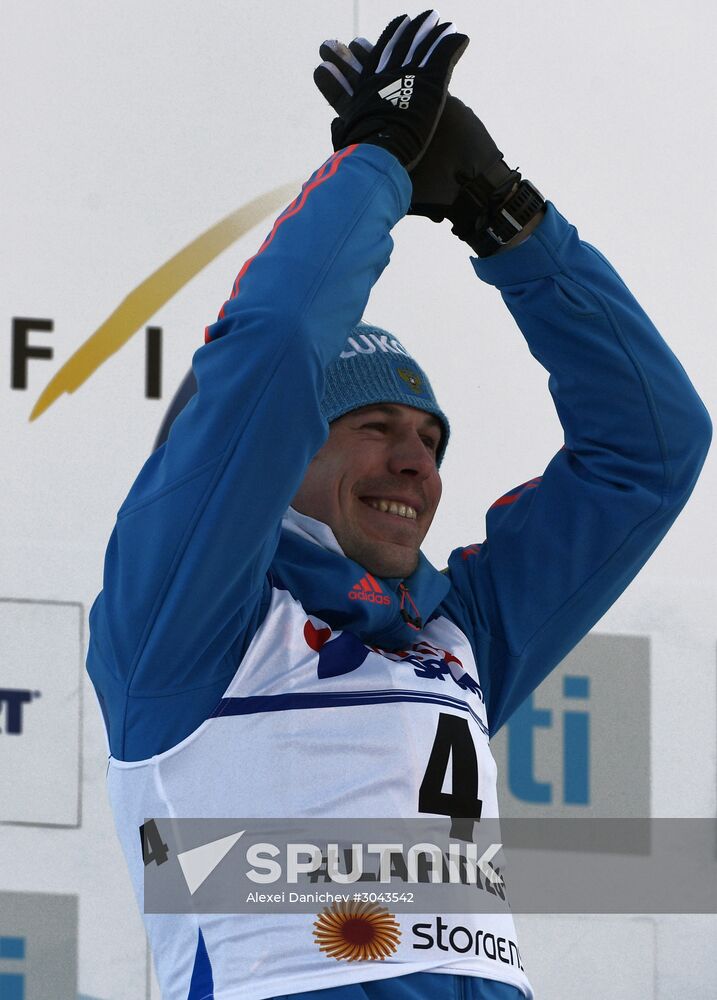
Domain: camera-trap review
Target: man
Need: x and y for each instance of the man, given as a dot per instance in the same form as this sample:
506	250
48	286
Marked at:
256	661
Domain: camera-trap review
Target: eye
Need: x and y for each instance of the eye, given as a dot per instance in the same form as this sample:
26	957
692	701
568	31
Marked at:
375	425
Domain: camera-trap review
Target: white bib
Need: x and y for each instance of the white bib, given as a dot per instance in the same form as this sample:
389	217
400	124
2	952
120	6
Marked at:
317	742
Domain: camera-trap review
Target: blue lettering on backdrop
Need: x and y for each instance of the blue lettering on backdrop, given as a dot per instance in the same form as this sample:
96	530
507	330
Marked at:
575	744
12	984
14	699
521	770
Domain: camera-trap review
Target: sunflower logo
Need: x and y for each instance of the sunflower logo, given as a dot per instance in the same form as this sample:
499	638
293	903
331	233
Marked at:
356	931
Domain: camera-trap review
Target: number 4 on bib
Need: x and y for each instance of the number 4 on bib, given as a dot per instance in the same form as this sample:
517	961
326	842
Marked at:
153	847
453	737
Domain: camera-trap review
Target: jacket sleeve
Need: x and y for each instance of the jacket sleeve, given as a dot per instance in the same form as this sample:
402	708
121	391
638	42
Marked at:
561	548
187	560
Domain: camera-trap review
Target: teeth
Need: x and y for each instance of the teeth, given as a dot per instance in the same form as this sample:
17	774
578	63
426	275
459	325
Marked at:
391	507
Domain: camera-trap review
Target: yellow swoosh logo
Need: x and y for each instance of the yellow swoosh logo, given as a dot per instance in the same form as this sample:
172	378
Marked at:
144	301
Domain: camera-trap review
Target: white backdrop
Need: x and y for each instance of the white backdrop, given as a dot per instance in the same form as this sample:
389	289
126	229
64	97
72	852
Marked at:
130	129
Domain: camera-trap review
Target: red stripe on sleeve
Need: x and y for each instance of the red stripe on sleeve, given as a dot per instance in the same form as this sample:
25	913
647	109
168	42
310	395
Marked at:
512	497
472	550
324	172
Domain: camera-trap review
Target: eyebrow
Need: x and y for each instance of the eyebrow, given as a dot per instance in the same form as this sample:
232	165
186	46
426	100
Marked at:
391	411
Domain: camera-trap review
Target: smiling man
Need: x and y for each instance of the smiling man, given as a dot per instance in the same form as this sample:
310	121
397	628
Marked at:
270	639
375	482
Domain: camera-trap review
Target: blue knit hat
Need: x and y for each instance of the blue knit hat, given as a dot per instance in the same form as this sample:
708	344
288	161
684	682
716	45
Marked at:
374	367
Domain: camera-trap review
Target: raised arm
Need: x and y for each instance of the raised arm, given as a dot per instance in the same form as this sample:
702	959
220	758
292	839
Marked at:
194	538
561	548
186	564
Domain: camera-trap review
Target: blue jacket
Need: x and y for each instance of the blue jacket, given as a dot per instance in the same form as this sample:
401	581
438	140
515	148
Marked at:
198	543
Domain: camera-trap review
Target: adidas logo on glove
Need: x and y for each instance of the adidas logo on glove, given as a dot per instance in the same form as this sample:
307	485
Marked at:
399	92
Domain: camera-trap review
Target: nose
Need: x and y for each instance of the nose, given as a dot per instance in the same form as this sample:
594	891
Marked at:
409	456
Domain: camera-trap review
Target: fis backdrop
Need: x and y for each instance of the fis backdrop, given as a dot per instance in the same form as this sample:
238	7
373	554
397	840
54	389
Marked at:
147	148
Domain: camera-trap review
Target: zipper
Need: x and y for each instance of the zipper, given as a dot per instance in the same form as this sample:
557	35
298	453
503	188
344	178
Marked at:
414	620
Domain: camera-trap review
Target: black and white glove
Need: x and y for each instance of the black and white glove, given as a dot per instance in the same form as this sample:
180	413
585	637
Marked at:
462	175
394	98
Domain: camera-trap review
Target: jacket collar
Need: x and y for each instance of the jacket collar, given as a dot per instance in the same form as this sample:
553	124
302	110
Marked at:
383	612
310	529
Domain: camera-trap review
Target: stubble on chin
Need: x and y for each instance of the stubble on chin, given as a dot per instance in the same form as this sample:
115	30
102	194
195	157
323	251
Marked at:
380	558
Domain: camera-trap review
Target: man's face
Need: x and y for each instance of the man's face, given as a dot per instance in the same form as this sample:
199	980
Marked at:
376	484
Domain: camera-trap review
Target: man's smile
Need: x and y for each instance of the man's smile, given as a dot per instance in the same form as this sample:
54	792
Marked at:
398	508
